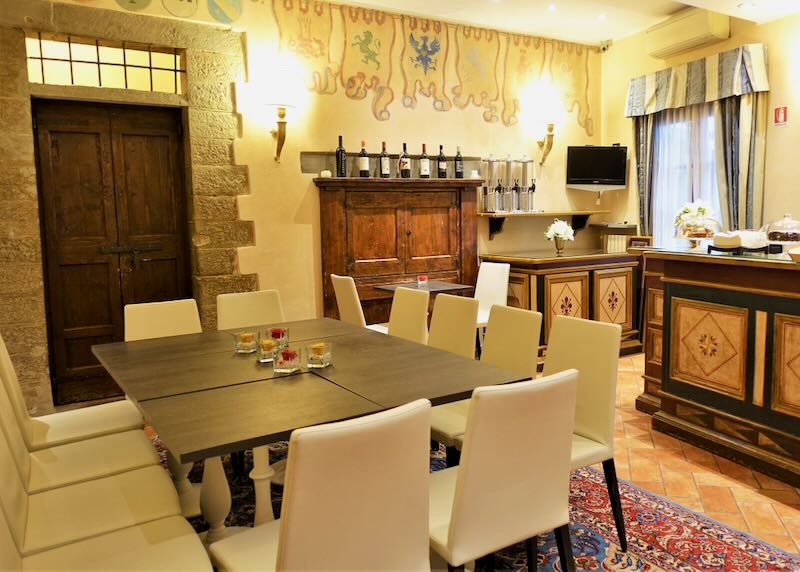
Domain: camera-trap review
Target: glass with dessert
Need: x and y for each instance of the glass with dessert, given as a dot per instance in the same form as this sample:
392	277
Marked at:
319	355
287	360
266	348
245	342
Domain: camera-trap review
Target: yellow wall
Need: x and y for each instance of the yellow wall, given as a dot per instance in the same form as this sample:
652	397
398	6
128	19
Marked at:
628	58
284	203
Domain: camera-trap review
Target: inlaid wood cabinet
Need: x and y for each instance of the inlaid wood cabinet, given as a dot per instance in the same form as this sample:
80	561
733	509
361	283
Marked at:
391	230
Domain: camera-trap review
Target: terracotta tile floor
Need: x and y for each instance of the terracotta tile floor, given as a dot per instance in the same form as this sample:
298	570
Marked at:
725	491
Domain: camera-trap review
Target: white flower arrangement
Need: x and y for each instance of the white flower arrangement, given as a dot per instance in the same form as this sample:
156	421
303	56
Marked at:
695	218
559	229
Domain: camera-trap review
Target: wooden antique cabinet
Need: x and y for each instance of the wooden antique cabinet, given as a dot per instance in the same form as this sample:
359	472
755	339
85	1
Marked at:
588	284
383	231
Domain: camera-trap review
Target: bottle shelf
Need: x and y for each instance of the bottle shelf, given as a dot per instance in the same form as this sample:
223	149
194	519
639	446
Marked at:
579	218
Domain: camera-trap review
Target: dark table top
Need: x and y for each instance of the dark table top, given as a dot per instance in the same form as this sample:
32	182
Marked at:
209	401
434	286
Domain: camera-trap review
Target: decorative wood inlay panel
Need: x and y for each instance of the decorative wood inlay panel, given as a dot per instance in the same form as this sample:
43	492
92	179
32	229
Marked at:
786	368
709	346
613	297
760	357
565	295
655	306
655	339
518	290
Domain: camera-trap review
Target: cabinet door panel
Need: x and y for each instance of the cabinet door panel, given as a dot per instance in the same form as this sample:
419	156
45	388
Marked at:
432	232
565	295
375	233
613	296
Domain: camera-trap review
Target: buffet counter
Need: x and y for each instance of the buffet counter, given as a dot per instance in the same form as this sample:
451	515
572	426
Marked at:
583	283
722	355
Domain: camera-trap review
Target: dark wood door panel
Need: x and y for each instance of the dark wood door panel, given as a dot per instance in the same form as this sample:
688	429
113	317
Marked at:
375	234
432	229
110	179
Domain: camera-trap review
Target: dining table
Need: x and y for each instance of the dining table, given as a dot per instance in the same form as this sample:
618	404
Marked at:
205	401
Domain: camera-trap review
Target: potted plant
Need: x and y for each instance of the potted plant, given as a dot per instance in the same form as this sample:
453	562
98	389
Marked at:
560	232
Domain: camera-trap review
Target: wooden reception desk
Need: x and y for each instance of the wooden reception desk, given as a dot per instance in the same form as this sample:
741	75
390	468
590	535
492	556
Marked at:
722	355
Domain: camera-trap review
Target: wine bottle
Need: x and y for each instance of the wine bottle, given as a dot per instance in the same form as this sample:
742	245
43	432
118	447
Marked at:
341	160
441	164
404	164
363	161
424	164
459	163
386	168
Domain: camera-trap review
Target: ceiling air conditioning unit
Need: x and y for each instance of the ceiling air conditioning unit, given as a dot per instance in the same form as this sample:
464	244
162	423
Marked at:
687	30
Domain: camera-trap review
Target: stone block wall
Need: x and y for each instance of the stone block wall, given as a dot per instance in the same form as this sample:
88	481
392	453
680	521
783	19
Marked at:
22	305
215	60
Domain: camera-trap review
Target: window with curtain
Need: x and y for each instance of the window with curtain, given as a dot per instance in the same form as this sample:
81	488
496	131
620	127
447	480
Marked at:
684	166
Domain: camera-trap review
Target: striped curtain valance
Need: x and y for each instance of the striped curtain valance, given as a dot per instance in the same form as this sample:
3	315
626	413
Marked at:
735	72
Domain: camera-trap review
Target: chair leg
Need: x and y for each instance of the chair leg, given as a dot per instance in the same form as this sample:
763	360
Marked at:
237	463
532	551
485	563
564	544
455	568
452	456
616	504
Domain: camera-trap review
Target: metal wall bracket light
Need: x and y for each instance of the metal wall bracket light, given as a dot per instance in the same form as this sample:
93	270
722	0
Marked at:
546	144
279	133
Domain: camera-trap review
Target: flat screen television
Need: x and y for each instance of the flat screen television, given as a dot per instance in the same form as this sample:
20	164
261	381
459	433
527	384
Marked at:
595	168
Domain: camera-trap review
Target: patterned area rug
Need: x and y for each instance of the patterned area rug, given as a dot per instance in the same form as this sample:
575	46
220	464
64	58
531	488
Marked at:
662	536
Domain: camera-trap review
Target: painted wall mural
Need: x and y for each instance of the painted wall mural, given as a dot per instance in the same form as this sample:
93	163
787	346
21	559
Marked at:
423	61
477	57
569	69
524	61
305	29
366	57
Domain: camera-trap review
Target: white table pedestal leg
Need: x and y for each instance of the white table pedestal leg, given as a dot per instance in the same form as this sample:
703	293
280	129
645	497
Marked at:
188	492
215	501
261	475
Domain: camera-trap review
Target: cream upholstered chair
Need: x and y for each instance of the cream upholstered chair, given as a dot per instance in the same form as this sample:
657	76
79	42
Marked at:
453	324
408	318
349	304
64	515
73	462
511	343
245	309
593	349
343	511
66	426
164	544
161	319
491	288
477	509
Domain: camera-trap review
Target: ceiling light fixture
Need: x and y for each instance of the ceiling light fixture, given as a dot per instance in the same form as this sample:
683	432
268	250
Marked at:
552	7
746	5
601	17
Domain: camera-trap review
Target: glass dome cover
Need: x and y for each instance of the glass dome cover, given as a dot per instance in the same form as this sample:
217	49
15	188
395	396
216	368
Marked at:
786	229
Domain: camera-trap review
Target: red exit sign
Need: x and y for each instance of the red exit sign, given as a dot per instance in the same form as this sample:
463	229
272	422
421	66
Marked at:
781	116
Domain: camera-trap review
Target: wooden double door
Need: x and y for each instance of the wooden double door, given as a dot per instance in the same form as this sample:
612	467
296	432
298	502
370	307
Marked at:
113	217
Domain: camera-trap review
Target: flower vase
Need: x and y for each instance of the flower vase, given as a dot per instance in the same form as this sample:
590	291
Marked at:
560	244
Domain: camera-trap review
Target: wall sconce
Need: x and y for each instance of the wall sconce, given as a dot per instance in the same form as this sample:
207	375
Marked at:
546	144
279	133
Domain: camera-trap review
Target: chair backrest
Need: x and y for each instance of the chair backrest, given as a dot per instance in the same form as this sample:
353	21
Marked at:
9	555
8	377
593	349
491	288
161	319
498	503
453	325
11	428
347	300
512	339
358	512
245	309
408	318
13	498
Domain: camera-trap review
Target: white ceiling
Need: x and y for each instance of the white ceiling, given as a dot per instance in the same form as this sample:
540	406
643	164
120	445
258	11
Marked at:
585	21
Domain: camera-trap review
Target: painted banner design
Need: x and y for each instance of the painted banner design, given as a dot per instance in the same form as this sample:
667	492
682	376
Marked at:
477	55
524	62
305	28
423	61
569	69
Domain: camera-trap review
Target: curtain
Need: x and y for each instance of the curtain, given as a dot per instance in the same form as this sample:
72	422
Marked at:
643	142
741	145
684	166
